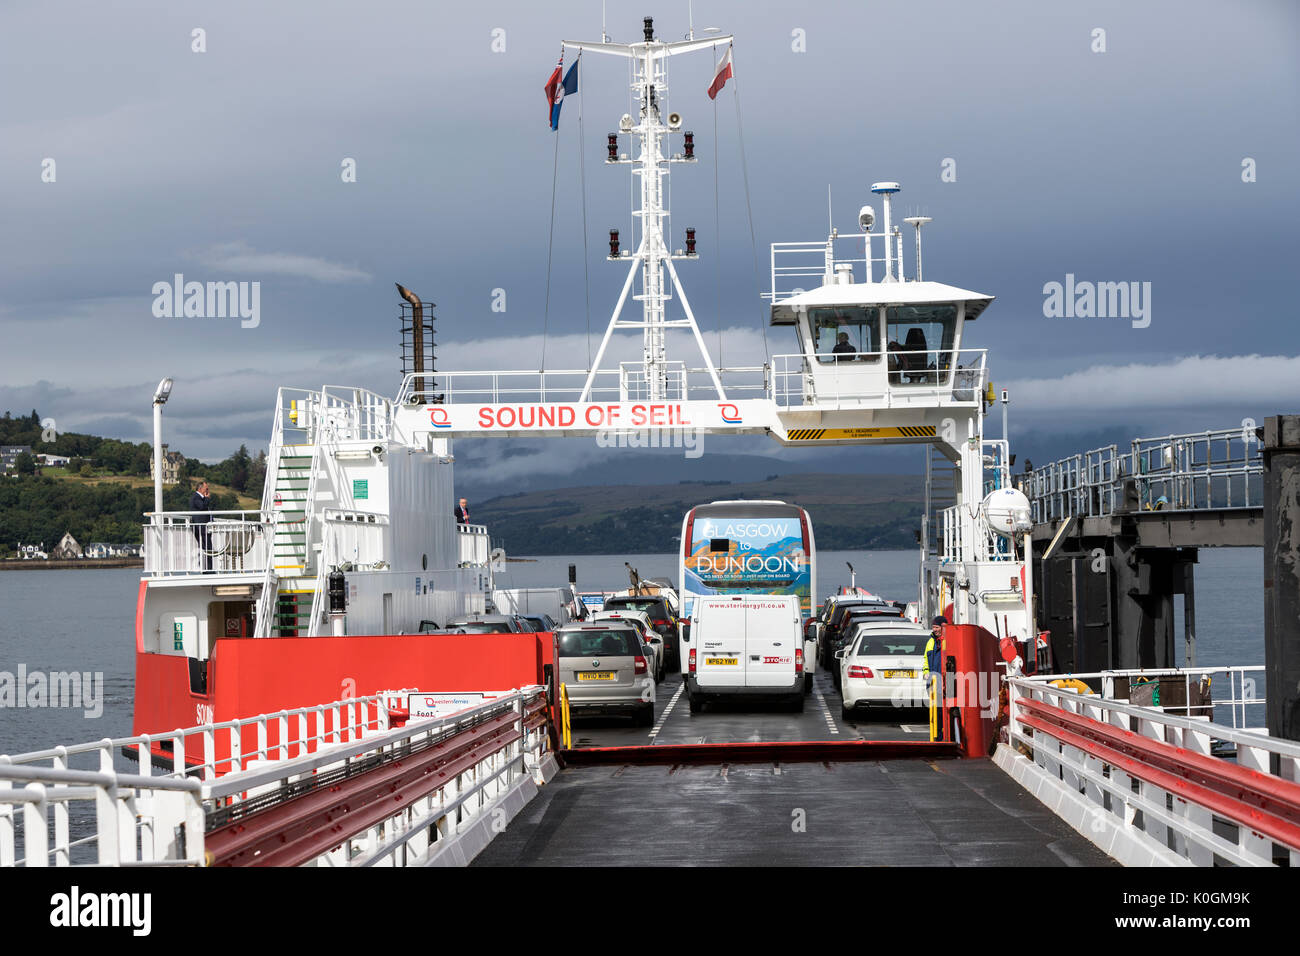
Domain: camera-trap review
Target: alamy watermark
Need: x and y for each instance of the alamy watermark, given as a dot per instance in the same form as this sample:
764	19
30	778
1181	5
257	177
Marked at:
208	300
1100	300
84	689
690	440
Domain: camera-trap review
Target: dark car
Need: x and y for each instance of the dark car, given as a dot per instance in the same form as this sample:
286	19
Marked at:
661	619
836	632
483	624
845	633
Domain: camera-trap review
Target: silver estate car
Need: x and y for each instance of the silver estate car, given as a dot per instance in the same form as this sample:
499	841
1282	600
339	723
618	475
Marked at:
605	667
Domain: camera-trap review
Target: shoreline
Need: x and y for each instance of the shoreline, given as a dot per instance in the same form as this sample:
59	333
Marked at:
64	564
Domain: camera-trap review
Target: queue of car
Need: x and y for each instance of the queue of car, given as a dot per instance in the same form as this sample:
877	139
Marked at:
612	660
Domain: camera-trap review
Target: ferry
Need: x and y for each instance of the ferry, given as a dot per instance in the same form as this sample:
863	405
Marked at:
288	683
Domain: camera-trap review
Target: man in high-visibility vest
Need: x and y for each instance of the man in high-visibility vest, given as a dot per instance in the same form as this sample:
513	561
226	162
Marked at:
934	646
933	671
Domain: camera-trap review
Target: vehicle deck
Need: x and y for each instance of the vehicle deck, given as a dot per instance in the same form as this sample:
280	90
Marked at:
888	812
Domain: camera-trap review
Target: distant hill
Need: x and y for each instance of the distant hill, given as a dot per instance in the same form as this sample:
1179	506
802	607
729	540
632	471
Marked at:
849	512
106	488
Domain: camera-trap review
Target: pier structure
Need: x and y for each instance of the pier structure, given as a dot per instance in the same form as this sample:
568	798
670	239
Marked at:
1117	533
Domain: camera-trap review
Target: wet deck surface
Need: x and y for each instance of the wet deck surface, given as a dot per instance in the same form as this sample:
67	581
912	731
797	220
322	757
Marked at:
733	721
944	812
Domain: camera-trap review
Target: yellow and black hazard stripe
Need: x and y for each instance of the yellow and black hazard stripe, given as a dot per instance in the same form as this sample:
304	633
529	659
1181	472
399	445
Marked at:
850	434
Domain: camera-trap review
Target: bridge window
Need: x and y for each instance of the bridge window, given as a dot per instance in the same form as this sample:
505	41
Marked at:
842	333
920	339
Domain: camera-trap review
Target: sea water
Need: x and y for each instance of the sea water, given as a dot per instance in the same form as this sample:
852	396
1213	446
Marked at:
84	620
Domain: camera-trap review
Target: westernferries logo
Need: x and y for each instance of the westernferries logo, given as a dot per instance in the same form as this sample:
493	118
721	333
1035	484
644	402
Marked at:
730	413
439	418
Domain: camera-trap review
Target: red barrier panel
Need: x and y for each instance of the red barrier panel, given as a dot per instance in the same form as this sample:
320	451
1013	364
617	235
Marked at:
971	680
251	676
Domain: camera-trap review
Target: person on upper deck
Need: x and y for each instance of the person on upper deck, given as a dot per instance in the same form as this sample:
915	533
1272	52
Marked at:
843	348
462	512
201	501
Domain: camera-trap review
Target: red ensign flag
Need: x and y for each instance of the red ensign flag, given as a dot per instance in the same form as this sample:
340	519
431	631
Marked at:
724	73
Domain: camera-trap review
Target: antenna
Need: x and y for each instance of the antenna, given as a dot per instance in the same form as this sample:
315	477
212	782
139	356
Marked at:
604	37
918	222
886	191
690	19
830	219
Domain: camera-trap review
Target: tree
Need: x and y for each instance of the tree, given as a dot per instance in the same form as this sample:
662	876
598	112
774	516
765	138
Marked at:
25	464
240	464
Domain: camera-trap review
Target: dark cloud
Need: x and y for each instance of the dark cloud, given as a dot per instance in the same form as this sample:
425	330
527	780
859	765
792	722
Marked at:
1115	166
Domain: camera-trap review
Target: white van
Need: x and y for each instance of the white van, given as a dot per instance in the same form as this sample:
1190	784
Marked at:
745	644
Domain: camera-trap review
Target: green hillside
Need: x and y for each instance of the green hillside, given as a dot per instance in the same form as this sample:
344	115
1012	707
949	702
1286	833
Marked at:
849	512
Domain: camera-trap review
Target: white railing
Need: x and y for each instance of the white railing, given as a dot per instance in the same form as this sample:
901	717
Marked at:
885	379
475	546
800	266
418	833
356	414
1201	470
124	825
1152	786
159	819
218	542
936	377
950	534
263	615
137	819
347	538
357	538
989	546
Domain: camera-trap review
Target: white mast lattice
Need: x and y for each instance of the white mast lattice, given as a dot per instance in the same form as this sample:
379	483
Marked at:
652	255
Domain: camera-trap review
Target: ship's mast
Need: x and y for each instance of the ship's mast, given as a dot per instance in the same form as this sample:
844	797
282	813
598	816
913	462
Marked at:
652	256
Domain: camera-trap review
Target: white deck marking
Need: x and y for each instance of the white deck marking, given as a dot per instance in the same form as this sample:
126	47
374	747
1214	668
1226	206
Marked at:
667	710
915	728
826	712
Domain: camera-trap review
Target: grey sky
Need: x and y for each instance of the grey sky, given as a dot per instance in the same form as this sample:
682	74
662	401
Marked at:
224	165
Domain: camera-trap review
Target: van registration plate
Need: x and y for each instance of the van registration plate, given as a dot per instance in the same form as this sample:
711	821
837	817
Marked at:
595	675
712	661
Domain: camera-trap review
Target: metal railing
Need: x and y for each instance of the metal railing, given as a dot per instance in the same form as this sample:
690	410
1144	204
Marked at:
136	819
164	819
132	818
1148	784
355	537
884	379
356	414
891	378
505	743
220	542
475	545
799	266
1201	470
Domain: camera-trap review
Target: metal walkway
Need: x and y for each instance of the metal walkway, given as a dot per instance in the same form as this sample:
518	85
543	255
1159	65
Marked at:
1210	471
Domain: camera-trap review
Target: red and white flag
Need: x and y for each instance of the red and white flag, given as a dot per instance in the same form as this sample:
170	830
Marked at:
720	78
